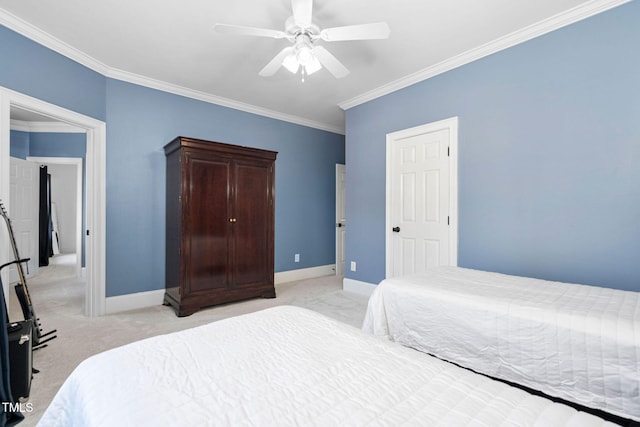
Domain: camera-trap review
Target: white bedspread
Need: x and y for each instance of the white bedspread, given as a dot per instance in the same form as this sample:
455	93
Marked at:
288	366
580	343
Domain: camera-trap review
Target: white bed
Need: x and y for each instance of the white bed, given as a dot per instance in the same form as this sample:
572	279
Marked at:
580	343
288	366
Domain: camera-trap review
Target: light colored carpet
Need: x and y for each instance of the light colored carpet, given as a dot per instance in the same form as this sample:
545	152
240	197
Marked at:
58	299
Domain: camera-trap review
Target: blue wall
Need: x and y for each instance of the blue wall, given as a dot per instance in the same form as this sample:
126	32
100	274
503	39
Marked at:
58	144
549	155
19	146
140	121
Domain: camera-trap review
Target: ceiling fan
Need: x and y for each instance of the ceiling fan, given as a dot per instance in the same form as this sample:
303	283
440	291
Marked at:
305	54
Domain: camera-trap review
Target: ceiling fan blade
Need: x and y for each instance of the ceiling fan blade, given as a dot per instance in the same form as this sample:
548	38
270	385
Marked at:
248	31
302	12
377	30
273	66
330	62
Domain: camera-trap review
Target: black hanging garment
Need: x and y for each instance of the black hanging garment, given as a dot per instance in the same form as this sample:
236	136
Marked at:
46	227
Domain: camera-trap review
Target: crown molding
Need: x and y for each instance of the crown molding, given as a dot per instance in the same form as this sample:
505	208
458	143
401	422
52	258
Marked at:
19	125
218	100
32	32
52	127
545	26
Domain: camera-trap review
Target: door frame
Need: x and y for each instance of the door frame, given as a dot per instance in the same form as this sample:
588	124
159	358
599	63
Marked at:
452	125
340	189
95	253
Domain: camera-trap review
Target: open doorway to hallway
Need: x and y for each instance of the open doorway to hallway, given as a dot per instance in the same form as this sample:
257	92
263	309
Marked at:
95	167
47	193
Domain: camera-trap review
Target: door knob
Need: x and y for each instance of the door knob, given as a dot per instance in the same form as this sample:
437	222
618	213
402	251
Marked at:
339	224
396	229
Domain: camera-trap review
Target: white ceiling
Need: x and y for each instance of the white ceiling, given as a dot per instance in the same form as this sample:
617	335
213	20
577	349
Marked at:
172	45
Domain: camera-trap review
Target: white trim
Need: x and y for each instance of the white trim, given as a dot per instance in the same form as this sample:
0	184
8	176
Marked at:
358	287
20	126
45	39
545	26
57	160
452	125
304	273
5	188
77	162
217	100
96	190
134	301
152	298
51	127
340	188
95	252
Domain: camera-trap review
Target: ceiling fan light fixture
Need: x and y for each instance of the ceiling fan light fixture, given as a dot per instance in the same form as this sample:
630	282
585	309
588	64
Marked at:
312	66
304	55
303	58
290	62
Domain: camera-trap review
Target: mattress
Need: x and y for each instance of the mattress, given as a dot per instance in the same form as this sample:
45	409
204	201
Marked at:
288	366
580	343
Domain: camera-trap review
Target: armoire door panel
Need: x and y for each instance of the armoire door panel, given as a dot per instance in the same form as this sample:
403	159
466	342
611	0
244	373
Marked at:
252	228
207	224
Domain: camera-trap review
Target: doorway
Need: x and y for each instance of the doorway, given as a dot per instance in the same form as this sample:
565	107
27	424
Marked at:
95	231
421	198
70	240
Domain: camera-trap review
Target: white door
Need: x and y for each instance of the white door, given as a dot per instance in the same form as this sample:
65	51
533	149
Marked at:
24	210
341	220
420	209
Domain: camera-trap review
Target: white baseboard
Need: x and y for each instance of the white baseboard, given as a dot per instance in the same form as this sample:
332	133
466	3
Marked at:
134	301
148	299
304	273
358	287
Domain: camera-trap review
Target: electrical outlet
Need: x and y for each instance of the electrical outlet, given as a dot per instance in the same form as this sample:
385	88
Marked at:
353	266
296	258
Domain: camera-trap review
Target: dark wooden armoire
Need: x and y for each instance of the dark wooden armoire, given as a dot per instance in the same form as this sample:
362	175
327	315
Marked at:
219	224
